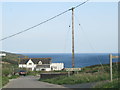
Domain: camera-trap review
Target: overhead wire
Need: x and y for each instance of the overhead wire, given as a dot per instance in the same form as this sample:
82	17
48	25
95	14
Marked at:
67	39
67	36
90	44
43	22
34	25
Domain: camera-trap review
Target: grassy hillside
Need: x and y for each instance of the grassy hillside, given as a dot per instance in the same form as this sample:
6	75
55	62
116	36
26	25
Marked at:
11	57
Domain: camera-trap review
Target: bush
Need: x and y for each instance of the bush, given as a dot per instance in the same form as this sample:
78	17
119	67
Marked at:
14	76
5	80
6	71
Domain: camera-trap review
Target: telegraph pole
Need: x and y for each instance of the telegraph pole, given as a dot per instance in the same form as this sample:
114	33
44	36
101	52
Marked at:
111	67
73	64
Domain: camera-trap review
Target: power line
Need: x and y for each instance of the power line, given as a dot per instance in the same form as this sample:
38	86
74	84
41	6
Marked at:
80	4
93	49
43	22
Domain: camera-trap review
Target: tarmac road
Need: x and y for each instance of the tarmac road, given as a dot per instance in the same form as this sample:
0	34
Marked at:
30	82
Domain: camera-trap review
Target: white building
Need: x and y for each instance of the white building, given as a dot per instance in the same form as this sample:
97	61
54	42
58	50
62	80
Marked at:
40	64
2	54
57	66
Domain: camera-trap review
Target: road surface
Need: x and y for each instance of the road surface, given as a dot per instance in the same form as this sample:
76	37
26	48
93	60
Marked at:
30	82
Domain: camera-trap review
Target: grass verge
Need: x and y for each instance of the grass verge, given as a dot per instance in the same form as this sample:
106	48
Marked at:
14	77
114	84
79	78
93	73
5	80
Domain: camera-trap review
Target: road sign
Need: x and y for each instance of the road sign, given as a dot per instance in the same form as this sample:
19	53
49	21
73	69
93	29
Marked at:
115	56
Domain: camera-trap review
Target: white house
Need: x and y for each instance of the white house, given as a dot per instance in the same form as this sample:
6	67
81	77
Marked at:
40	64
57	66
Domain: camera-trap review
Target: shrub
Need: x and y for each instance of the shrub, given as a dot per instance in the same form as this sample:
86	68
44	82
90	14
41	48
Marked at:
14	76
6	71
5	80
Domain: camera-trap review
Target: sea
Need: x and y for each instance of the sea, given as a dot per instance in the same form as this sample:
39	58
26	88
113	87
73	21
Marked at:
81	59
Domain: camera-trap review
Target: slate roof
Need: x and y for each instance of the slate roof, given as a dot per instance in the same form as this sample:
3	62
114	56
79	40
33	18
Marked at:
36	60
43	66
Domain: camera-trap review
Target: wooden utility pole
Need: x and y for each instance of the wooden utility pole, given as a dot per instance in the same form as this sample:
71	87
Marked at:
111	67
73	64
18	61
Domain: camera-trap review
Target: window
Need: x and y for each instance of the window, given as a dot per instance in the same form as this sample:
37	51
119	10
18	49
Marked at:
30	63
40	63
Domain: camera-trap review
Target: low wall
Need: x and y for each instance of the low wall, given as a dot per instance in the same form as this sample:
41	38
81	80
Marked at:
51	75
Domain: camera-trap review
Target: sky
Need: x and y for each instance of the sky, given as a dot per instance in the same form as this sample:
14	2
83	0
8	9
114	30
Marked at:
96	27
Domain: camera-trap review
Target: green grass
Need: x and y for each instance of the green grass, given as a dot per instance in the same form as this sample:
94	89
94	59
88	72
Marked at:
14	77
88	74
114	84
5	80
79	78
0	81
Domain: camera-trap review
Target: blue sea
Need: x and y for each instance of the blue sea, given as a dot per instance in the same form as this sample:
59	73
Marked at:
81	59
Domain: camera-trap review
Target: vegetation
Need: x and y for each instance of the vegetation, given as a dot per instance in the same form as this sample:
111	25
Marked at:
11	57
14	76
0	81
88	74
114	84
6	70
79	78
9	66
8	73
5	80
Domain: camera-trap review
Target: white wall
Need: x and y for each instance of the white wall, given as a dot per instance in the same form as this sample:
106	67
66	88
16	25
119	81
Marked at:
53	66
22	65
32	66
57	66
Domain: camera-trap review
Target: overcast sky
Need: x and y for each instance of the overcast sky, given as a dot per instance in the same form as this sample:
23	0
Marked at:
98	32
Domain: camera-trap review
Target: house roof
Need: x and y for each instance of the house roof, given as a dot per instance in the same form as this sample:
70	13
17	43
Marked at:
36	60
43	66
